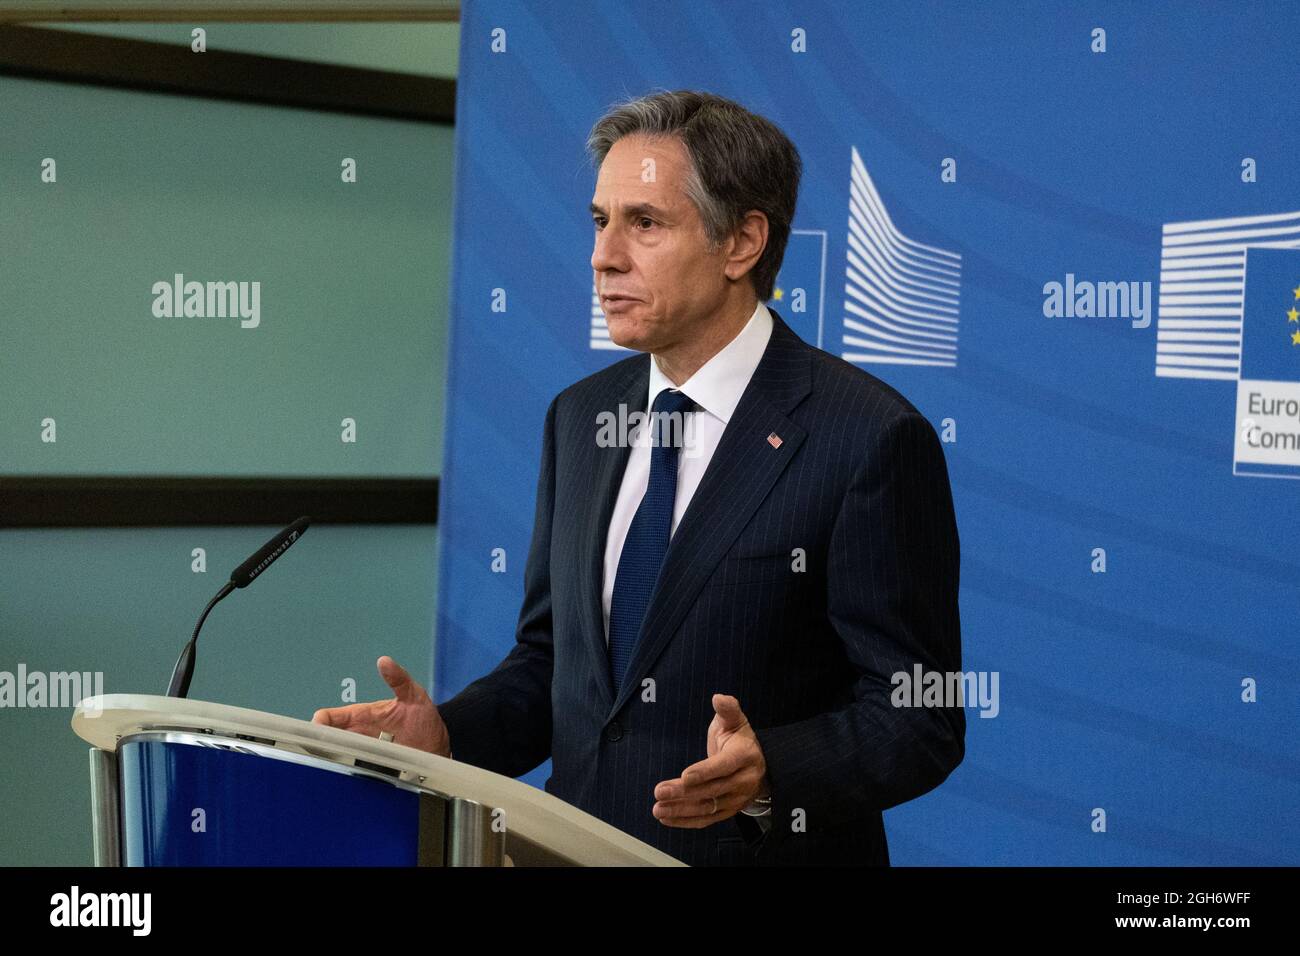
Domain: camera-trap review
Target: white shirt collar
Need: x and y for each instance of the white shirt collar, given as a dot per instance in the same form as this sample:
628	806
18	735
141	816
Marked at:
718	384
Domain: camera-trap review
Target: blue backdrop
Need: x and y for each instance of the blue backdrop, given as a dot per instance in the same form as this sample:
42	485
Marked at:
1162	690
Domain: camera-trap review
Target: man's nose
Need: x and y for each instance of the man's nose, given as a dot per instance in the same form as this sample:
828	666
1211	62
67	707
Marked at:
608	253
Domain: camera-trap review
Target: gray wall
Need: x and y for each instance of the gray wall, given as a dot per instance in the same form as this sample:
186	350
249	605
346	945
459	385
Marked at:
354	307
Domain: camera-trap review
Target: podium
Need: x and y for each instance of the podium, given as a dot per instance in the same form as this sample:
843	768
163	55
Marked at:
177	782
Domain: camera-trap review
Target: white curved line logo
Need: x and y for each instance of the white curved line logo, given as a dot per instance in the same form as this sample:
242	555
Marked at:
901	297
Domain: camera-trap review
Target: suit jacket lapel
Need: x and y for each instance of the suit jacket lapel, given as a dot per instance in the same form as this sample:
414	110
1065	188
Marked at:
607	477
741	472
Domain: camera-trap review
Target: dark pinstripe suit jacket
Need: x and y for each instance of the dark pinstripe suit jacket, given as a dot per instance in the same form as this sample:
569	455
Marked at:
859	486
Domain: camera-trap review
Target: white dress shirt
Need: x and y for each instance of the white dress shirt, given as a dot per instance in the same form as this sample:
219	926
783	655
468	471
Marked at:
716	388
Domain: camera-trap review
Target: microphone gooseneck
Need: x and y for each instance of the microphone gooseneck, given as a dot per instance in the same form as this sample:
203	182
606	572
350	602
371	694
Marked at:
241	577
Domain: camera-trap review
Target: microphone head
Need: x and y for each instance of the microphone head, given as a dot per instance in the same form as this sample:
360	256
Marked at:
244	575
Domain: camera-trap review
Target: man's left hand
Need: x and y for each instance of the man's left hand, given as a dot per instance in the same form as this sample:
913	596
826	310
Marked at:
725	782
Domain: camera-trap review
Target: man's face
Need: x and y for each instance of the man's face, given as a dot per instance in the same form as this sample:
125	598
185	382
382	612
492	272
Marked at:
650	247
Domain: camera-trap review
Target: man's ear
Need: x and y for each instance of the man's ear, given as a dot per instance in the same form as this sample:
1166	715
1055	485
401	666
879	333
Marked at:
747	244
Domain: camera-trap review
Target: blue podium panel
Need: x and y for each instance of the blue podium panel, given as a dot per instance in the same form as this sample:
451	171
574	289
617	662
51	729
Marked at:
187	803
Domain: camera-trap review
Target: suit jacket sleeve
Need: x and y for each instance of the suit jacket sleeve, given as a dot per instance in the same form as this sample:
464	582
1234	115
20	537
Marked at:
502	721
892	582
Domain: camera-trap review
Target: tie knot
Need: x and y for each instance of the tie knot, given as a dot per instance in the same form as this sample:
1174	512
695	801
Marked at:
669	426
670	400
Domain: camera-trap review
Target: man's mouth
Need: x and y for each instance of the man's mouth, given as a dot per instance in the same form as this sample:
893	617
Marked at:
616	303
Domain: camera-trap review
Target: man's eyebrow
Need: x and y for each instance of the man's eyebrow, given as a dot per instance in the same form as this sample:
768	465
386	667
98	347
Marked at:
637	209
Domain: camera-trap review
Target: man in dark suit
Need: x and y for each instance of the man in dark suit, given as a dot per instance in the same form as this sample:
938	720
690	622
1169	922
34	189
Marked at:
712	635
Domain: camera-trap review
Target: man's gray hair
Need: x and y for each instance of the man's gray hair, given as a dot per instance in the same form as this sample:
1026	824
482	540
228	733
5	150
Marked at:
740	161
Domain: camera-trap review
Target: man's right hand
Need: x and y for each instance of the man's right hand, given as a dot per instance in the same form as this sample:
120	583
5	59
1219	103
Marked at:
410	716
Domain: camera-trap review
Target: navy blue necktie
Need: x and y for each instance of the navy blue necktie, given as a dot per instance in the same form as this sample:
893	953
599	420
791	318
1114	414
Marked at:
647	536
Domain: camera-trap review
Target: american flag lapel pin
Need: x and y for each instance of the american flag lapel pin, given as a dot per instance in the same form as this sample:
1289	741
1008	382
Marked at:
774	440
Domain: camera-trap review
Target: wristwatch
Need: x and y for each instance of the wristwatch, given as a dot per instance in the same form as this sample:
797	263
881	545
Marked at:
760	807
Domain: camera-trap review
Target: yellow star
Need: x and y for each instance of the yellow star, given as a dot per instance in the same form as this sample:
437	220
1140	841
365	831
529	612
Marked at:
1296	290
1293	315
779	294
1295	337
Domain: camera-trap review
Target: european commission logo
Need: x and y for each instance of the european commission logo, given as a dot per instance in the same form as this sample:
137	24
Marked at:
902	298
1230	310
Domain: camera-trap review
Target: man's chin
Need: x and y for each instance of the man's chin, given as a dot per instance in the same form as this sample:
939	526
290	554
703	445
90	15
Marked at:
628	338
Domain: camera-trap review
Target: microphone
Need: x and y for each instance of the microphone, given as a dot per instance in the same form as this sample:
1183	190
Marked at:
241	577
